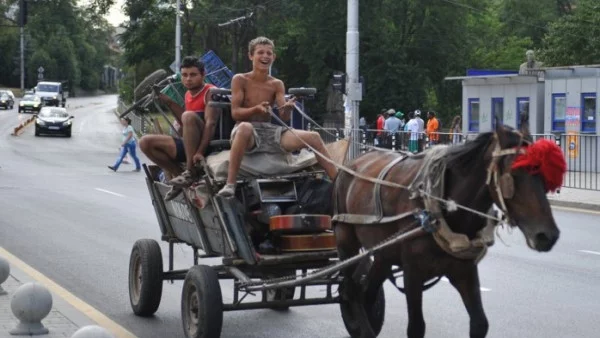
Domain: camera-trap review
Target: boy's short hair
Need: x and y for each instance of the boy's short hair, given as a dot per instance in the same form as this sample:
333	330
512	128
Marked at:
190	61
261	40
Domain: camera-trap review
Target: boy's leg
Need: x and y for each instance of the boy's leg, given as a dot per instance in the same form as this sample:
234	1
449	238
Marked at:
291	142
193	126
242	140
162	150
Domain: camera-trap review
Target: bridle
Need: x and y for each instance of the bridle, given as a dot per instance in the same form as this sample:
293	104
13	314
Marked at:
503	187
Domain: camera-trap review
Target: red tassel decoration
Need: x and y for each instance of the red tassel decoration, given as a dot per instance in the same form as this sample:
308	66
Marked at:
545	158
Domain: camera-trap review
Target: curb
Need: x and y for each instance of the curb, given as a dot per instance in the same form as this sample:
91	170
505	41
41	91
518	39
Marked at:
21	126
575	205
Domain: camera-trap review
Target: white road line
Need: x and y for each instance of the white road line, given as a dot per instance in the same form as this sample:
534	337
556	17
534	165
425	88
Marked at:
110	192
590	252
444	279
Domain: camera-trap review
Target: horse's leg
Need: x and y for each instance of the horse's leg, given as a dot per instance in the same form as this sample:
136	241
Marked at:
466	282
413	288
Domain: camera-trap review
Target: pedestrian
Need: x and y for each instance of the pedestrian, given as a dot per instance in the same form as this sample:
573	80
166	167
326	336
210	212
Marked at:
456	129
413	128
128	145
433	126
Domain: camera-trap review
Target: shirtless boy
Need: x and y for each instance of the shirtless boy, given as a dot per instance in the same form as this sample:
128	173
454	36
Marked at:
253	95
198	122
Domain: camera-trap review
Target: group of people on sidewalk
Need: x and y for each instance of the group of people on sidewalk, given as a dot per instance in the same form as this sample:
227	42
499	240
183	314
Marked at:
414	127
253	97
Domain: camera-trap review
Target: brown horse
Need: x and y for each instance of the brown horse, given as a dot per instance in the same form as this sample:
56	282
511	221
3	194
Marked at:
421	258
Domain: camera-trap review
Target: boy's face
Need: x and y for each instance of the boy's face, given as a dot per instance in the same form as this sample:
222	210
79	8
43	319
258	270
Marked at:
263	57
192	78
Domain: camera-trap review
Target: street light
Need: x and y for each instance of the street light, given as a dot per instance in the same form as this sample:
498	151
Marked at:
178	36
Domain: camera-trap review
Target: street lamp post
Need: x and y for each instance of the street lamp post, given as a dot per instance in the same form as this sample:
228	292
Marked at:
354	87
178	36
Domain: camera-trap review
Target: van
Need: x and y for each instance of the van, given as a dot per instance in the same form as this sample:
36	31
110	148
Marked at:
51	93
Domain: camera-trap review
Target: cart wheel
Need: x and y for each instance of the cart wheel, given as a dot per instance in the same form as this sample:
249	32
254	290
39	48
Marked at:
376	315
145	86
201	303
145	277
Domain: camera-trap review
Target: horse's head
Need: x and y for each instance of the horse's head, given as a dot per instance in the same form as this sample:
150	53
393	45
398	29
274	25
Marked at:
519	176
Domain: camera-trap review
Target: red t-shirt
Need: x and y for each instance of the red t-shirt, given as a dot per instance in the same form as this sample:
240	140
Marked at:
197	103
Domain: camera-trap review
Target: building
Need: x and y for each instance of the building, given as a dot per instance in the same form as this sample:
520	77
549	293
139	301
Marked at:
562	103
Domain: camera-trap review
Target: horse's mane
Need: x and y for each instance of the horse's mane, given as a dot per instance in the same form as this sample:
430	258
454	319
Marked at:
469	155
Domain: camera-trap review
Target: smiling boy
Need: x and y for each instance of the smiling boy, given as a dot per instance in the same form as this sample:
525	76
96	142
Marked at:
253	95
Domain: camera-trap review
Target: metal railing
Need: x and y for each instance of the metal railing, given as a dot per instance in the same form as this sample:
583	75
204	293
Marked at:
580	150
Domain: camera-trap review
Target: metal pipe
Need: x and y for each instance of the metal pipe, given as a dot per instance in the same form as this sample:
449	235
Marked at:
178	36
267	305
354	90
340	265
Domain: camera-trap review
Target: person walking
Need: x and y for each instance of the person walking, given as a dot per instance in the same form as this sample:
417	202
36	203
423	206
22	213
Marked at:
128	145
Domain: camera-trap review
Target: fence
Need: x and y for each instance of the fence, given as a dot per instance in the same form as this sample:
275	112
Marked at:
580	151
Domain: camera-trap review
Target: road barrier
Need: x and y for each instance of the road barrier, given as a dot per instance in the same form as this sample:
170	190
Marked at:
22	125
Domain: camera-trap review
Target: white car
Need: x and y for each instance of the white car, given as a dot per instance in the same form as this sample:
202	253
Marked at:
9	92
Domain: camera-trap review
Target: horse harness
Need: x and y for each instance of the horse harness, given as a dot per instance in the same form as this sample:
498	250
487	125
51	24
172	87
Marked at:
503	184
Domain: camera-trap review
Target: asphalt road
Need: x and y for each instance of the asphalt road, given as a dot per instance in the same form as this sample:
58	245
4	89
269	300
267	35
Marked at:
68	216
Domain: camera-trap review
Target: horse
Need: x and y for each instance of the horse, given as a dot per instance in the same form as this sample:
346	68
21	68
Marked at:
501	167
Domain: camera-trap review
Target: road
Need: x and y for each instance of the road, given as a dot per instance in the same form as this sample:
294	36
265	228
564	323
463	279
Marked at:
68	216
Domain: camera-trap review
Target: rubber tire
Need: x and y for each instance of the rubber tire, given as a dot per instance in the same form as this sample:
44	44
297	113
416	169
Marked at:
202	282
37	132
68	134
145	87
150	258
302	91
377	317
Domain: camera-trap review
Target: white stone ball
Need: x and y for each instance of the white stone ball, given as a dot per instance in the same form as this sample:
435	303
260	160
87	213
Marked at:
4	270
31	303
92	331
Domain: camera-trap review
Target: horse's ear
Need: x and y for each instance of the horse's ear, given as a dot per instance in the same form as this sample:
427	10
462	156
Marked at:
524	125
500	131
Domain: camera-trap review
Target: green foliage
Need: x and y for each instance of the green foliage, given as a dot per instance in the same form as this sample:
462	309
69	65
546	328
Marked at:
70	42
574	38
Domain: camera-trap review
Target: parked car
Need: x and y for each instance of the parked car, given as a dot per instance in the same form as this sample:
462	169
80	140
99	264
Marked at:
6	101
30	104
53	120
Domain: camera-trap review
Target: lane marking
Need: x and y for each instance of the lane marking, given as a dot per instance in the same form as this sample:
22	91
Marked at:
110	192
76	302
590	252
482	289
583	211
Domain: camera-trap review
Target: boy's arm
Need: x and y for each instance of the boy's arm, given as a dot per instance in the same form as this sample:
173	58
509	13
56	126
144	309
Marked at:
285	108
211	115
238	112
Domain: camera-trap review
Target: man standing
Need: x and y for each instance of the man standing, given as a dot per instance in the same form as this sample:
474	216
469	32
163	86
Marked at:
421	124
432	128
412	126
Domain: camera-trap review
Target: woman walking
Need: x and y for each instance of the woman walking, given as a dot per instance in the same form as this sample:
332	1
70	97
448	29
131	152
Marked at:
128	146
456	129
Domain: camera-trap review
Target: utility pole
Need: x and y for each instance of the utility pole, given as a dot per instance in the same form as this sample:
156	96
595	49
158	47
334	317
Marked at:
354	87
178	36
22	21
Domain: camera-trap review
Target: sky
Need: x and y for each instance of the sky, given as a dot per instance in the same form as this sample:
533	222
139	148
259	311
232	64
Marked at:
115	15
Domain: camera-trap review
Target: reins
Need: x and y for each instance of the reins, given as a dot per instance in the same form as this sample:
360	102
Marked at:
450	204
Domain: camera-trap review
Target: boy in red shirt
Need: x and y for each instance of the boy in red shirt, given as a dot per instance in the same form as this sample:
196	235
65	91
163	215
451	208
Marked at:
198	121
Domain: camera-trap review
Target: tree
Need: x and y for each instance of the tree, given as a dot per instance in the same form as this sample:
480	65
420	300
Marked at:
573	39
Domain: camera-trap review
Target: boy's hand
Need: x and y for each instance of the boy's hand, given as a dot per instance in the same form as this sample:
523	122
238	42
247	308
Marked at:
164	98
264	108
289	105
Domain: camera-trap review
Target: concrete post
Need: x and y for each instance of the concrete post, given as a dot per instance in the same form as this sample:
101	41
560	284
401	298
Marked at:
31	303
4	273
178	36
354	89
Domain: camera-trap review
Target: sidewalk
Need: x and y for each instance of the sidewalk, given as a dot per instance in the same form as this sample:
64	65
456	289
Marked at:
68	313
62	321
576	198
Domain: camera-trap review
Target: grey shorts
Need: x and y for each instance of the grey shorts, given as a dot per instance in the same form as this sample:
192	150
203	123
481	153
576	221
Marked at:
267	137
